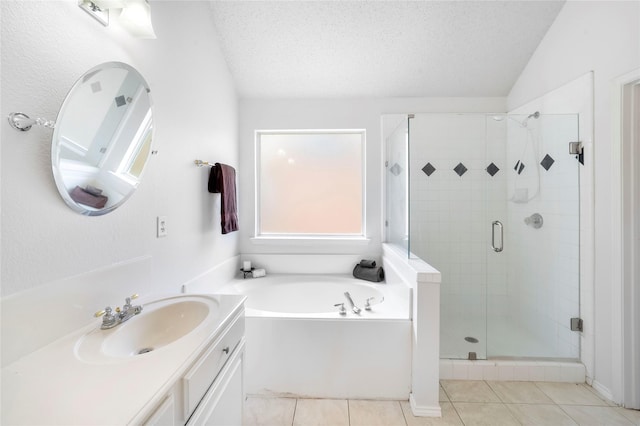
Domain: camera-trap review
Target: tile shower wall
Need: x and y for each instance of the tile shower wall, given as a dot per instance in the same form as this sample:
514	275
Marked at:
450	217
543	266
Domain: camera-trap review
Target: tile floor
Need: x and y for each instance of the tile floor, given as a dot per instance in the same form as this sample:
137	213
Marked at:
464	403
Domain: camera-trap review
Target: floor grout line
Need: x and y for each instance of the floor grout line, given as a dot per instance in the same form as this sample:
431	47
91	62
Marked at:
295	408
404	416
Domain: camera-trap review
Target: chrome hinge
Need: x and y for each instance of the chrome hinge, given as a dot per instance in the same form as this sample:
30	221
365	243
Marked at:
386	163
386	223
576	324
576	148
411	116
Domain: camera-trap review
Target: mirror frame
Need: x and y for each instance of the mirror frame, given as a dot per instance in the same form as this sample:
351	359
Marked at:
59	177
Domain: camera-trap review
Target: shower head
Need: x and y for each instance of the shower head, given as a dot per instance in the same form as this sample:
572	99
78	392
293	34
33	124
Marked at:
535	115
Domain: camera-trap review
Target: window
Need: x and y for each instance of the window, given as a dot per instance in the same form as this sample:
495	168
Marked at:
310	183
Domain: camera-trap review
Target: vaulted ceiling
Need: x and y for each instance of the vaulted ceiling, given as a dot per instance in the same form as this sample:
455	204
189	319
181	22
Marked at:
328	49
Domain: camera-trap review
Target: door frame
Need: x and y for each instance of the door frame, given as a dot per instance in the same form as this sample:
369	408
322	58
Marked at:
626	236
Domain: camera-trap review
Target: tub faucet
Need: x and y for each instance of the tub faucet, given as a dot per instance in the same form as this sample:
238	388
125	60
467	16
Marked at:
354	308
111	320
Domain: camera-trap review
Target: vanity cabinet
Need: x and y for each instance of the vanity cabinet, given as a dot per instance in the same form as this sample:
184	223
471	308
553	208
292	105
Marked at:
211	391
192	375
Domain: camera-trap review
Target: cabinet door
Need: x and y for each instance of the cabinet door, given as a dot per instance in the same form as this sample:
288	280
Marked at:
164	414
222	404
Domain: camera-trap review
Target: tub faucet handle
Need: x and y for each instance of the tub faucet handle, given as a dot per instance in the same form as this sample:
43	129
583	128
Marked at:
367	303
343	310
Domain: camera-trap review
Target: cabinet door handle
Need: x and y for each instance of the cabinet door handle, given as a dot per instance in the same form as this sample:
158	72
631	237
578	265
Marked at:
226	350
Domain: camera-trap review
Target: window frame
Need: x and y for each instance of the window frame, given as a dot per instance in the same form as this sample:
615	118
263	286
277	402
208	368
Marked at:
260	237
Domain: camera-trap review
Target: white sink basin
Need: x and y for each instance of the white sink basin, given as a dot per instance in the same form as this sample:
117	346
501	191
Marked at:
160	324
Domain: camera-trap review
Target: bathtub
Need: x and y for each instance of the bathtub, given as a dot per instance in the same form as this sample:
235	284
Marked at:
298	344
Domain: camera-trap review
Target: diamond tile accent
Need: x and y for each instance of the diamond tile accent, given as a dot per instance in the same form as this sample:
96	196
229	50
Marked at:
428	169
547	162
492	169
395	169
460	169
519	167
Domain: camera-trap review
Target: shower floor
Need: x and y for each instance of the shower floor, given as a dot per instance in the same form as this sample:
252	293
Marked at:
505	339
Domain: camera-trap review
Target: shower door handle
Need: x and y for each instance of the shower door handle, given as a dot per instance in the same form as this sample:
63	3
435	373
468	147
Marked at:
493	236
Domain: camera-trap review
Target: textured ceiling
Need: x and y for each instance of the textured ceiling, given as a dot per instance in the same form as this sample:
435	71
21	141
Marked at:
318	49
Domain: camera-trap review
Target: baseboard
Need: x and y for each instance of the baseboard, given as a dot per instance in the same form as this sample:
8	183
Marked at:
424	411
602	390
510	370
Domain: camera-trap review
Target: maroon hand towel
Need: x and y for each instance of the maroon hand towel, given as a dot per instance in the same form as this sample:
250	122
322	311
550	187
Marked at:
222	179
91	199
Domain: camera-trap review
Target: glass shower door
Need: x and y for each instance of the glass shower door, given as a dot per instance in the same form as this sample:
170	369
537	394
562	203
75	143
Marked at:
533	283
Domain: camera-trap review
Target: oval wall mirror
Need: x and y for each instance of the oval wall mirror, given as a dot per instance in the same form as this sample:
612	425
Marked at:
102	139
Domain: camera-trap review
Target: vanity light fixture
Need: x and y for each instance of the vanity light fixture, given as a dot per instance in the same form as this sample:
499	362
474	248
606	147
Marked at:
133	15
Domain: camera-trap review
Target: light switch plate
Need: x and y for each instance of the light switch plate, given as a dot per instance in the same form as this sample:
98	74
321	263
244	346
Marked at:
162	226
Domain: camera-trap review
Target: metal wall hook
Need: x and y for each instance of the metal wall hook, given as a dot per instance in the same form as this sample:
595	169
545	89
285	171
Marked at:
21	121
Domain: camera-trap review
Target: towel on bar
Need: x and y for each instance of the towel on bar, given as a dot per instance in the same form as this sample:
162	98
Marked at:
370	274
366	263
222	179
89	197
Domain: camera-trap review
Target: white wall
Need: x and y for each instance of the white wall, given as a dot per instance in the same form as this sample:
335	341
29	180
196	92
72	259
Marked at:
334	114
603	37
46	47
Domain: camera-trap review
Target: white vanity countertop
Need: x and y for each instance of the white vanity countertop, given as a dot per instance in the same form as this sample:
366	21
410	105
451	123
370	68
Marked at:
53	386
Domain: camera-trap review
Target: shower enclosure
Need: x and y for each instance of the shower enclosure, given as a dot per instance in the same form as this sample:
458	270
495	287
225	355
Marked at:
492	202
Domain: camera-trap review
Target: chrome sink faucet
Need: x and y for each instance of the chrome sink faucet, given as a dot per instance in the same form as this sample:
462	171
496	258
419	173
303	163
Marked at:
110	320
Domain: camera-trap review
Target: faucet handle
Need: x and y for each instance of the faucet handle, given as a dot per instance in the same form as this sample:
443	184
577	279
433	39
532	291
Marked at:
105	311
343	310
367	303
129	299
109	319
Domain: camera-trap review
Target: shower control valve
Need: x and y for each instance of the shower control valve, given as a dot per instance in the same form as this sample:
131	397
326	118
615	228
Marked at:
535	221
